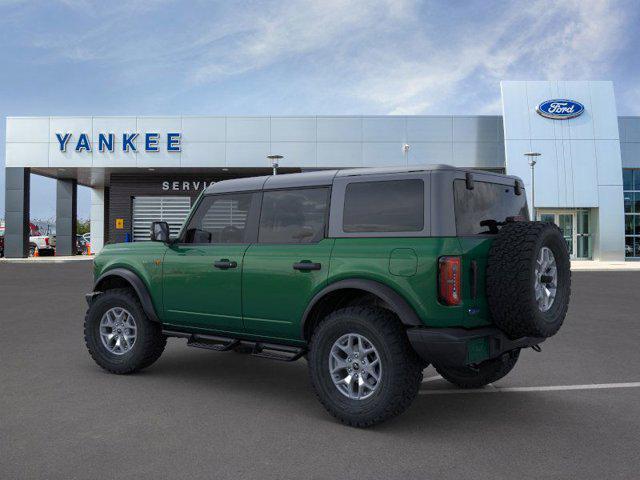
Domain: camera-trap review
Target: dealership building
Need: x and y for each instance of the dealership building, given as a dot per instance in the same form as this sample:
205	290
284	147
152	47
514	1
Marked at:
139	169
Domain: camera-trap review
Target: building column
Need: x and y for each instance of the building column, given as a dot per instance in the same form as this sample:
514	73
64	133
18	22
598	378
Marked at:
17	190
66	217
609	225
97	219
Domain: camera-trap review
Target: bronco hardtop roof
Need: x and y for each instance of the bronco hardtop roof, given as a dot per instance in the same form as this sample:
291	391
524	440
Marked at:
323	177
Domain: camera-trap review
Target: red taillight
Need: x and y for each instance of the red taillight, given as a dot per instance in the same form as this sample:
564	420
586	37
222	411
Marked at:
449	280
46	241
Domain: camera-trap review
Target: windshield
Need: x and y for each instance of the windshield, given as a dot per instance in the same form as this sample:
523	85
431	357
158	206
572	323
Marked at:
478	211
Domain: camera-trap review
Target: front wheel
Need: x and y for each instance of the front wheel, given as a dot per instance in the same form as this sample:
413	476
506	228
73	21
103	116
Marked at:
362	366
482	374
119	336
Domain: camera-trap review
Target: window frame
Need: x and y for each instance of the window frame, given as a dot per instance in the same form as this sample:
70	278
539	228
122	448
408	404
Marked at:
251	228
338	196
325	229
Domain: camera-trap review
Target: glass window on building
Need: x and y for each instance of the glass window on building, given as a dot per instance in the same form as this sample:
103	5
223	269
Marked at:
575	226
631	182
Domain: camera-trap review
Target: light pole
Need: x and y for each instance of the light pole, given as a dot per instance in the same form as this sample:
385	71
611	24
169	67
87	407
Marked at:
532	163
405	152
274	162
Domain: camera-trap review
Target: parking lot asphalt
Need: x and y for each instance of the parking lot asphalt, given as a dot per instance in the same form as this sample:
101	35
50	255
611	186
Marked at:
202	414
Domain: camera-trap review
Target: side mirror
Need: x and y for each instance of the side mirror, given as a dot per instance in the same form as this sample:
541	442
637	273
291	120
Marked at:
160	232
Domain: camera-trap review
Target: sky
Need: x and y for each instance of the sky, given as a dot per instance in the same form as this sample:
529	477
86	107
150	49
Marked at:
147	57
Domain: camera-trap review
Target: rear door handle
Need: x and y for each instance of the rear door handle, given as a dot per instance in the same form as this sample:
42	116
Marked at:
307	265
224	264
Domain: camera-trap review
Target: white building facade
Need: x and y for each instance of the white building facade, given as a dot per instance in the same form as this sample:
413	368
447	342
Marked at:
146	168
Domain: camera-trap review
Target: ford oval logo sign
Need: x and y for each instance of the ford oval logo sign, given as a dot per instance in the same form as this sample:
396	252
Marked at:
560	109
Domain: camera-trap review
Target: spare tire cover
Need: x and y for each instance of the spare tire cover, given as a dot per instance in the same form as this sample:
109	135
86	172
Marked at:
528	282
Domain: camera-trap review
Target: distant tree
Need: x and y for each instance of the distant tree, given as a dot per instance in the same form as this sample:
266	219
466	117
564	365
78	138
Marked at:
84	226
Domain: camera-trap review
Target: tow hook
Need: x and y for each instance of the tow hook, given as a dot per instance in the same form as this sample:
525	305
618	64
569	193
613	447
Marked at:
536	348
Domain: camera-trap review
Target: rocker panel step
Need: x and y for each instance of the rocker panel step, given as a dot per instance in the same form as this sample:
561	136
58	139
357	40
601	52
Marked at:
273	351
212	342
284	353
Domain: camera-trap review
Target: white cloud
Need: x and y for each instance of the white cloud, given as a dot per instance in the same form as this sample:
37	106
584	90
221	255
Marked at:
540	40
391	56
293	30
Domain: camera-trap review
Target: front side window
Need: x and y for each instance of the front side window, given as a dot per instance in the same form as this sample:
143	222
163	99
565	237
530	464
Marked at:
220	219
293	216
386	206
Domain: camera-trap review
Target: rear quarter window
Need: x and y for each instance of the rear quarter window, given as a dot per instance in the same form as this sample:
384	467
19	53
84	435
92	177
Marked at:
384	206
486	201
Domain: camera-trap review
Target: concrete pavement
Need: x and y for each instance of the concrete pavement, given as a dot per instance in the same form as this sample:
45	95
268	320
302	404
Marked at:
202	414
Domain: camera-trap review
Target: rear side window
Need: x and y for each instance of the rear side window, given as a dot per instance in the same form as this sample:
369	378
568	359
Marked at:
294	216
386	206
487	201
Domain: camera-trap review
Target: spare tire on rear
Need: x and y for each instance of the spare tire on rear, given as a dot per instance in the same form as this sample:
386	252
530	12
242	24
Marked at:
528	279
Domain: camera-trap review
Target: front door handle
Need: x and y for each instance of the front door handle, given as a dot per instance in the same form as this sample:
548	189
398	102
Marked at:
306	265
225	264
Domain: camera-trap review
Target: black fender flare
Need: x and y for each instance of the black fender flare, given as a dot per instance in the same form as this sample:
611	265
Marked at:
398	304
138	285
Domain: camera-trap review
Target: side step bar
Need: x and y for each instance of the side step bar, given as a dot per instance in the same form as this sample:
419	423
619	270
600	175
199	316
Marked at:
274	351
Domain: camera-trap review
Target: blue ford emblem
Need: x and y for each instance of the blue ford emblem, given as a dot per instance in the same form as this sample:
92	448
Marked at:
560	109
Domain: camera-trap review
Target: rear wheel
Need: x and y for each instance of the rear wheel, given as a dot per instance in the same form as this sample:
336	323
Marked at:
119	336
362	366
482	374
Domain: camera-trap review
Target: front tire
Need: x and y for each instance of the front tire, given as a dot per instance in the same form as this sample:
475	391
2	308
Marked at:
480	375
362	366
118	334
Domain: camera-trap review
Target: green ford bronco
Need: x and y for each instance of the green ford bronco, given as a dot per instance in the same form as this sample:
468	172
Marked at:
369	274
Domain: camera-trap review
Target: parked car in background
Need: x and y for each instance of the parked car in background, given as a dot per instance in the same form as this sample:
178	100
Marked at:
45	243
81	245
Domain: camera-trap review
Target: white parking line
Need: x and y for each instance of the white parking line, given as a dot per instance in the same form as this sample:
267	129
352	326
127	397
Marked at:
547	388
431	379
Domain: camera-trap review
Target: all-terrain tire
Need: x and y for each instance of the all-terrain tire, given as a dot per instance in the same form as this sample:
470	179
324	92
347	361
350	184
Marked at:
149	343
401	372
482	374
511	279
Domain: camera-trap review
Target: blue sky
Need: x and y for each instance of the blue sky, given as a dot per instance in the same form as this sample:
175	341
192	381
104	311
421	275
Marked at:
76	57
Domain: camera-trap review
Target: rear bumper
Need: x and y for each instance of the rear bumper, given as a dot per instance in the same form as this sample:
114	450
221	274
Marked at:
459	347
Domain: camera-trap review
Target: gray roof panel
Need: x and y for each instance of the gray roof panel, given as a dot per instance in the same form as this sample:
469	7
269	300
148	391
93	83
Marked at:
306	179
350	172
326	177
244	184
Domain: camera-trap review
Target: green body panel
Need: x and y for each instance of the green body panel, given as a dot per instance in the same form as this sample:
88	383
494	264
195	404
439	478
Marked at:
373	258
142	258
274	295
476	248
196	293
403	262
264	297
